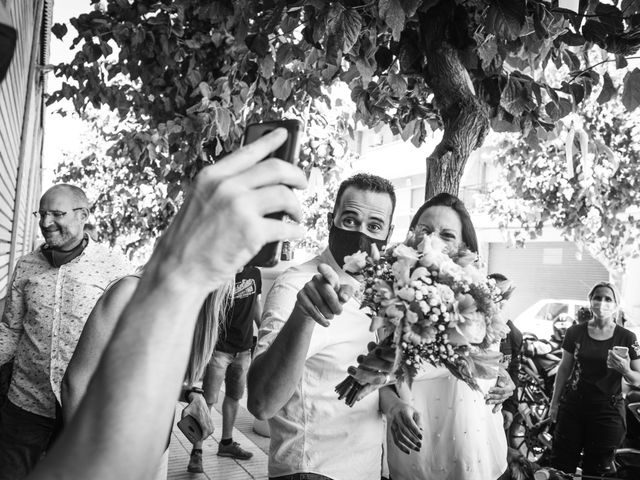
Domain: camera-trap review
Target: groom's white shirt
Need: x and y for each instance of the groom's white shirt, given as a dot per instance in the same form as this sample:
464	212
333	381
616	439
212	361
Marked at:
314	431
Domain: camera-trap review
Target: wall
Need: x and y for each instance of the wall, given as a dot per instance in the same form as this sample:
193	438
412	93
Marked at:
21	131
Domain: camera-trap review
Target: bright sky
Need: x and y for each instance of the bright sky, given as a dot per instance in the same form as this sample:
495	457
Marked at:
60	133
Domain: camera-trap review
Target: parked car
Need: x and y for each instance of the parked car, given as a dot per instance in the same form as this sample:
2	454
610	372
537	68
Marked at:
539	318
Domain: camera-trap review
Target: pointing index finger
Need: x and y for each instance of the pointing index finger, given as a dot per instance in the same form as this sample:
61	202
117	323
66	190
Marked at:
330	275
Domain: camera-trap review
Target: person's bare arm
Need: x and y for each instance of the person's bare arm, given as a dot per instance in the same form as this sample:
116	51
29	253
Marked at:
219	228
93	340
630	369
564	371
256	311
275	374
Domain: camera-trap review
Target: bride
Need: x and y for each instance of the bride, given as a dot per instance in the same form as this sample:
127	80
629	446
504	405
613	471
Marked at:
446	430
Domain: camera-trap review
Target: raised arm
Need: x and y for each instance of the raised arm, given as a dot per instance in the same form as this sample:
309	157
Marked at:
275	373
93	340
219	228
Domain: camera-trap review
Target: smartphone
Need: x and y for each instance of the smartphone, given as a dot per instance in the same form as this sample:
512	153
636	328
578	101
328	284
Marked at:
191	428
621	351
288	151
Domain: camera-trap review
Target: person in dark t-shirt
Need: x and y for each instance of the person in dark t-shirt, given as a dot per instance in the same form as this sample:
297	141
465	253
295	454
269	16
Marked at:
587	399
230	363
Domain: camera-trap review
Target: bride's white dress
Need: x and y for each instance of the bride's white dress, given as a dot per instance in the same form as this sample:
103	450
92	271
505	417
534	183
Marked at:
462	438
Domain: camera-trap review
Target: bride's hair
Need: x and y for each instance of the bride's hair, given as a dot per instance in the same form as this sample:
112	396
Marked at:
212	316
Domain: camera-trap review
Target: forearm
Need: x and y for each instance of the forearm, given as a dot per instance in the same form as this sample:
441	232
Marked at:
632	377
389	398
70	398
558	387
274	375
8	343
146	360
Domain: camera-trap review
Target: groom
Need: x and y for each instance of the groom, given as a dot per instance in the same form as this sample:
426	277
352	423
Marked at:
310	330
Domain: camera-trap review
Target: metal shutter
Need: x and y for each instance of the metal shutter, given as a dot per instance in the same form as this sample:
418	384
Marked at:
21	129
545	270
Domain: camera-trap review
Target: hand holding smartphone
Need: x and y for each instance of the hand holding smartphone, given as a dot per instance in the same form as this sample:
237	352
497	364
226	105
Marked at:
191	428
270	253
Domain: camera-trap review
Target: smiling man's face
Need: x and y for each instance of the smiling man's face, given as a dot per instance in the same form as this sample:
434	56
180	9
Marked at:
62	227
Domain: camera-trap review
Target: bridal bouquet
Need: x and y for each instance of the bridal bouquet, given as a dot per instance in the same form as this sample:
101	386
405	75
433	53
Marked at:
432	306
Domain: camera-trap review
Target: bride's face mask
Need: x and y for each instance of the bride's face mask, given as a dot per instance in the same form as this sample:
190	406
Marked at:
443	221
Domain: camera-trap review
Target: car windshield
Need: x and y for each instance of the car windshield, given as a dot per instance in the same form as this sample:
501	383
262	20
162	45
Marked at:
551	311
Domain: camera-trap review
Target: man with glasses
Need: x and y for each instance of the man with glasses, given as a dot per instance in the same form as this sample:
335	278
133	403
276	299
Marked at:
51	294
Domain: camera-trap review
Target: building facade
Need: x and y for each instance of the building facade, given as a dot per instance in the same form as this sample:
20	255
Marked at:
548	267
21	130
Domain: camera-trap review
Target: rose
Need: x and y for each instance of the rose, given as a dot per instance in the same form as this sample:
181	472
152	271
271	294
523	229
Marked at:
401	271
445	293
356	262
468	322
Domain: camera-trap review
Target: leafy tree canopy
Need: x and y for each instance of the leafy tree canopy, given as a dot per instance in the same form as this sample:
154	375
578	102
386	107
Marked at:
188	75
585	183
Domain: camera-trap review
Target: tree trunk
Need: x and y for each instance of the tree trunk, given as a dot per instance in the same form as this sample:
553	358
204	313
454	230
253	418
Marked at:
464	116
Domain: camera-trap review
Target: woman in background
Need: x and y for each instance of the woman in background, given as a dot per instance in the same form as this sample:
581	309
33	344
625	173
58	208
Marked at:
587	401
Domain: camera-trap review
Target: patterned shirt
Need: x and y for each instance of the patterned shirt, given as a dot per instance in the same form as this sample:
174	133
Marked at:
44	315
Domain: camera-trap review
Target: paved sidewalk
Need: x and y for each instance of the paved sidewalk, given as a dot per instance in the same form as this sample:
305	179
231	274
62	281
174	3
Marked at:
215	467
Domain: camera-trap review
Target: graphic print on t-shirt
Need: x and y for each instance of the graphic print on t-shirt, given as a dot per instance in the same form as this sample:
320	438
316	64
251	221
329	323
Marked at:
245	288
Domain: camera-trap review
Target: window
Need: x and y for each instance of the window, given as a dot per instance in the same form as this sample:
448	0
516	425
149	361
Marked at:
551	311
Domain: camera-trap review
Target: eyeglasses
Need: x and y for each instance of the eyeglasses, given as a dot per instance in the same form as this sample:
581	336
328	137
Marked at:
56	214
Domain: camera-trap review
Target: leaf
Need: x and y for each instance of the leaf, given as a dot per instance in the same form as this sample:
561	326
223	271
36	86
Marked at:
505	18
384	58
281	88
343	29
630	6
572	39
515	97
258	44
488	50
267	65
608	89
397	83
410	6
352	25
59	30
205	89
631	93
610	16
365	69
394	16
594	31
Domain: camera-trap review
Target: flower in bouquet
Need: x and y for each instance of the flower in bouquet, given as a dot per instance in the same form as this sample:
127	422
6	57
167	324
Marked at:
432	306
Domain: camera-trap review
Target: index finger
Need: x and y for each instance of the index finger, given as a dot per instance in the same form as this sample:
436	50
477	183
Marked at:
250	154
411	425
330	275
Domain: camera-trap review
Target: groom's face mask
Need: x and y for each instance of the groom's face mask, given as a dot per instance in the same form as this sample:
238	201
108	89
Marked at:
347	242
